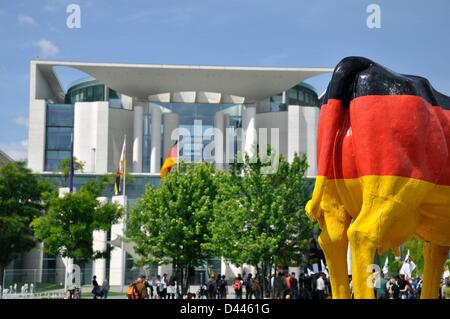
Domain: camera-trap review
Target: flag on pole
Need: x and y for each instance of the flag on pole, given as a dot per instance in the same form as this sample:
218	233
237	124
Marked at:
310	272
121	170
71	172
408	266
324	269
386	266
171	160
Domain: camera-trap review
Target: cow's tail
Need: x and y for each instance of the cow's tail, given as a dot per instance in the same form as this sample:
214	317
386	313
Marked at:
337	99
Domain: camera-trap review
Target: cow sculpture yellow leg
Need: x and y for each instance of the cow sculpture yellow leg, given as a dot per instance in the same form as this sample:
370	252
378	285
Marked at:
334	223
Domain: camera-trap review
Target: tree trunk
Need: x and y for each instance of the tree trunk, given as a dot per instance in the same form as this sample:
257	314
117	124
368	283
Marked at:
186	280
181	282
264	275
2	272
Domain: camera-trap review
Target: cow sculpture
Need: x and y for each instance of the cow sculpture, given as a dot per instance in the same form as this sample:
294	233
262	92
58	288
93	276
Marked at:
383	163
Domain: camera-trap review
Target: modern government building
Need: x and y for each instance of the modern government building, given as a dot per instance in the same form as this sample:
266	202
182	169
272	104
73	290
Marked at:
147	103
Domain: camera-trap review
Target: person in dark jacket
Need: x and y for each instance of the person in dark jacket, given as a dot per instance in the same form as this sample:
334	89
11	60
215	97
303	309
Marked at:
248	283
222	288
96	290
211	288
294	286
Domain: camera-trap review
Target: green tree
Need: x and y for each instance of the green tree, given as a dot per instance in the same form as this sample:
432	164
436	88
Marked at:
64	167
259	218
169	224
67	226
22	198
415	247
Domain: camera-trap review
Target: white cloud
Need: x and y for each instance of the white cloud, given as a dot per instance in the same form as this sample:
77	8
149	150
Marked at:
22	121
25	20
47	47
16	150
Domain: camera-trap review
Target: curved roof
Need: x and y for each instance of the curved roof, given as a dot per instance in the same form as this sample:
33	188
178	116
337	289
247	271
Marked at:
142	80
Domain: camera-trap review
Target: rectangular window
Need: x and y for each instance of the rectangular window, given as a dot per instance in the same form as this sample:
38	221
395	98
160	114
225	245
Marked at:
301	97
59	130
99	93
53	158
90	94
58	138
60	115
292	94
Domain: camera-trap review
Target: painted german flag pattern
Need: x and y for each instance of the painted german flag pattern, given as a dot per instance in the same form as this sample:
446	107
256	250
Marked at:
387	135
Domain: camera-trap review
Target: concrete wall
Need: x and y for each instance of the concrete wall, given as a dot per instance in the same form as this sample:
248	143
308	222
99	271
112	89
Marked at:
36	135
302	134
120	124
91	135
274	120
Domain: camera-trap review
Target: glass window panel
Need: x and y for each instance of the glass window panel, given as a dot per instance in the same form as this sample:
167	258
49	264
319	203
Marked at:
292	94
301	96
90	94
99	93
59	115
58	138
53	158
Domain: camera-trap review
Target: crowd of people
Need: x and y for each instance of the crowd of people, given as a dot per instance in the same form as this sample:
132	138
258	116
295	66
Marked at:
402	287
282	285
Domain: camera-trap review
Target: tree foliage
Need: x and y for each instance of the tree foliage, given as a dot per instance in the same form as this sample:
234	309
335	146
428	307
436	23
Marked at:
22	198
259	218
64	167
67	227
169	224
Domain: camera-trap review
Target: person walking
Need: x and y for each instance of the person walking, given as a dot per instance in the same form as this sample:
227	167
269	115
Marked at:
381	287
287	286
222	288
237	285
211	287
105	289
257	289
320	287
171	287
138	289
159	287
394	289
96	289
294	286
279	286
248	283
149	283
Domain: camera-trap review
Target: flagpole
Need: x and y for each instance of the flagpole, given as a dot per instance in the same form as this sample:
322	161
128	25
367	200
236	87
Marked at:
125	165
124	254
178	150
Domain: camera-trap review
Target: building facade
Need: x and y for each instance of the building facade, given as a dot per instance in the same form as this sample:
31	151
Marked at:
226	109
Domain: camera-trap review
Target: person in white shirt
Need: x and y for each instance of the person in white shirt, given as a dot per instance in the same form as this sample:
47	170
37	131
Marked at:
320	287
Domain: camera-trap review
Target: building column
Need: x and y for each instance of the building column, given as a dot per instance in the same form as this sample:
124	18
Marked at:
171	122
155	153
138	130
118	255
249	130
99	244
219	138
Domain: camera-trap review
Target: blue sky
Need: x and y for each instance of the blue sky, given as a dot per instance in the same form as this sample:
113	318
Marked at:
413	39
